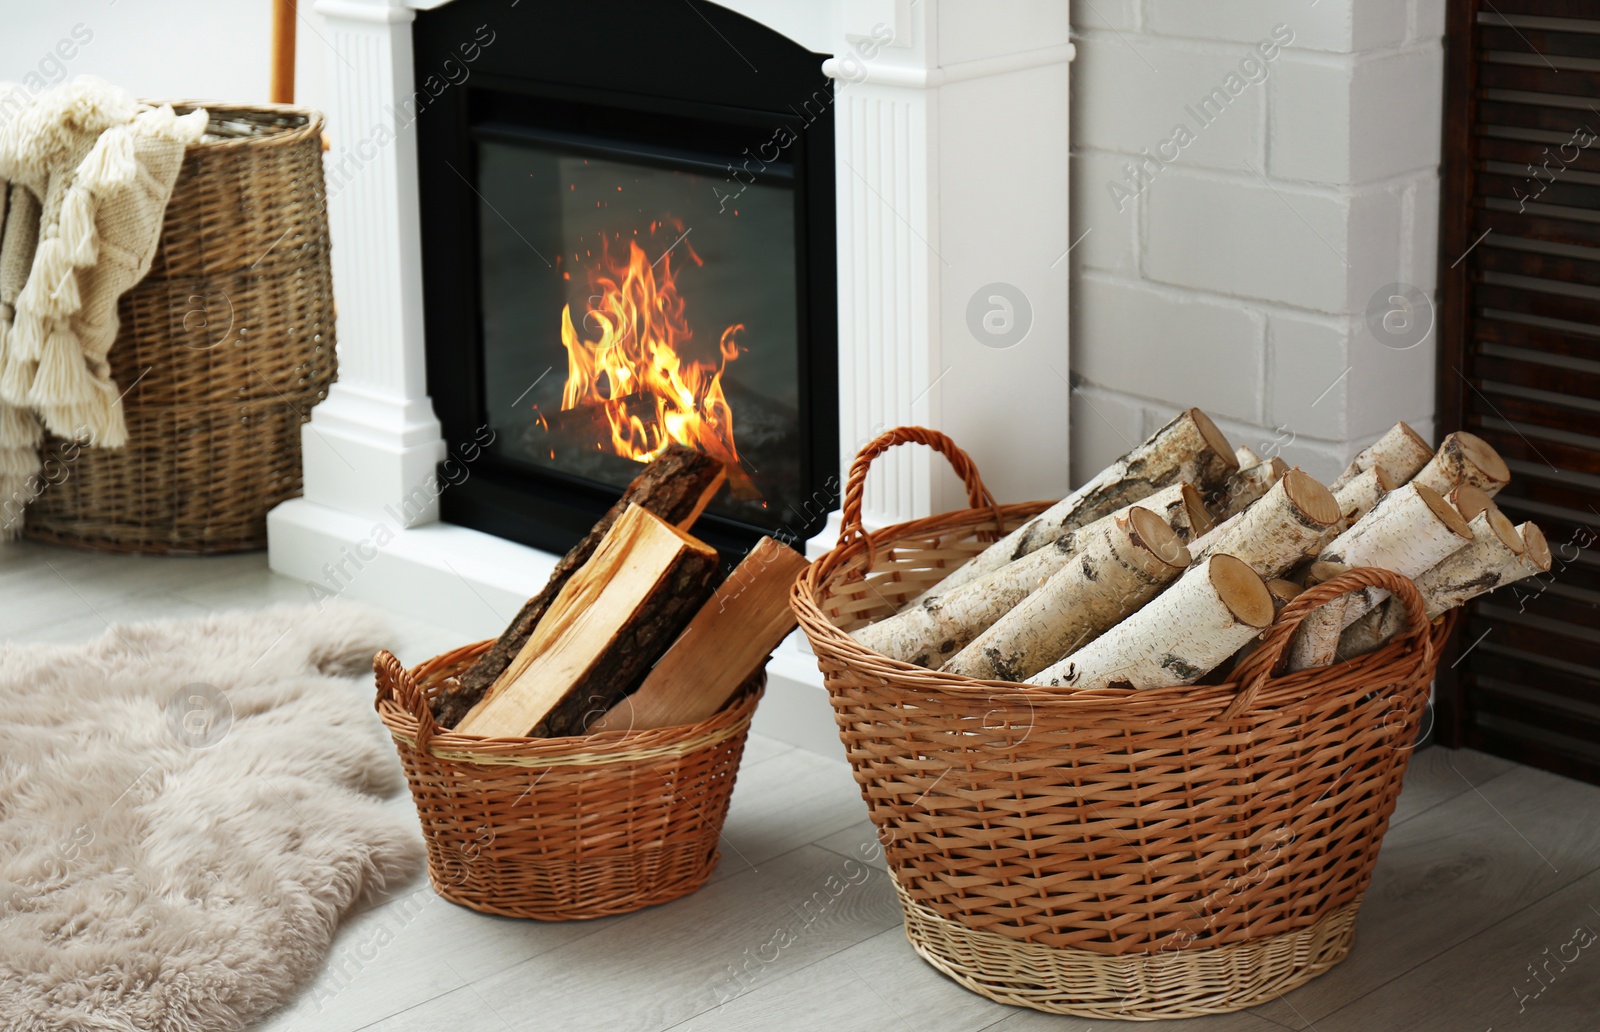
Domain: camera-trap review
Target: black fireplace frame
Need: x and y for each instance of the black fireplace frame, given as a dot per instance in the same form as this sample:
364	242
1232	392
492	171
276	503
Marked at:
689	68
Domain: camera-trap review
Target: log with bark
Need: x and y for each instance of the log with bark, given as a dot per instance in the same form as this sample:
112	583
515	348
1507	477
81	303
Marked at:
1282	592
723	645
930	631
1279	530
1495	557
1190	448
601	633
1119	565
1465	458
1358	495
1469	500
1249	484
676	487
1410	530
1401	452
1207	615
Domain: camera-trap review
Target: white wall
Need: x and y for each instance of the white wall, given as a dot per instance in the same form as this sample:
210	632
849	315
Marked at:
1238	277
176	49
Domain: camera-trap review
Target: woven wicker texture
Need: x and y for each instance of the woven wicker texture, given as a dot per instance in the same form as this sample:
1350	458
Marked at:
1111	825
562	828
223	349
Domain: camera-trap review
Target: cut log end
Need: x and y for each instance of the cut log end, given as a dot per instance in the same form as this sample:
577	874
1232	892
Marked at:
1483	456
1385	481
1469	500
1504	529
1311	497
1200	519
1447	513
1536	550
1420	441
1151	531
1282	591
1242	590
1214	438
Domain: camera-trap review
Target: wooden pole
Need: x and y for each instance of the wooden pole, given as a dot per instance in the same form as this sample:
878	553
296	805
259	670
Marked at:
283	14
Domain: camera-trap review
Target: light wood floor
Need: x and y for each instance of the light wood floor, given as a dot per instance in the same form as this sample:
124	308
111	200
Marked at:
1488	873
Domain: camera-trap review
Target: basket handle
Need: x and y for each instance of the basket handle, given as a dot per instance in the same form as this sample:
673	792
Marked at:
855	484
1263	664
394	679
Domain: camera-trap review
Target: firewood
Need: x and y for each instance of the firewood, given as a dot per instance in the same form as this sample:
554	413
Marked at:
1465	458
1357	497
1469	500
1248	485
930	631
1179	636
1278	531
677	487
1190	448
1119	566
1536	551
1246	456
1408	531
1401	452
614	616
726	641
1494	558
1282	592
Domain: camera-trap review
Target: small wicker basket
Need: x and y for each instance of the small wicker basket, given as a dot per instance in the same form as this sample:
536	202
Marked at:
1115	853
223	349
562	829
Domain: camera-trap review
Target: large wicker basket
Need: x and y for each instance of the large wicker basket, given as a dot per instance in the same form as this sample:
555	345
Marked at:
1113	853
563	828
223	349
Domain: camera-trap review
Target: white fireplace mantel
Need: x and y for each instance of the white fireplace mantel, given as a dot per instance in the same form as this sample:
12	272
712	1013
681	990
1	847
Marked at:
951	140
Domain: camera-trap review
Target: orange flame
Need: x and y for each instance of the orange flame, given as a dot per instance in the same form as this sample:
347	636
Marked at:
651	393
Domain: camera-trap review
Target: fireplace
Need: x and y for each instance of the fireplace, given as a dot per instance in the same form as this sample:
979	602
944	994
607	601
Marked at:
923	148
616	262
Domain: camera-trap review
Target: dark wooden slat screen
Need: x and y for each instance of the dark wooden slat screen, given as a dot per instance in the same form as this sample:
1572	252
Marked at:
1519	363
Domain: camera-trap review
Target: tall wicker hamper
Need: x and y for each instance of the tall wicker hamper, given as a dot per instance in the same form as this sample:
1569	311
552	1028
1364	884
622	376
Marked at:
561	829
1113	853
223	349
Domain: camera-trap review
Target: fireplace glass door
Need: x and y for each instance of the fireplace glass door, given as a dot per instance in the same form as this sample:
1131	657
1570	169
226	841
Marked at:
632	298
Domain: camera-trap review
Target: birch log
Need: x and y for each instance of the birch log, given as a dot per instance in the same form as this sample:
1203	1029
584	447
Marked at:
1409	531
1246	456
1357	497
1535	550
1247	485
930	631
1469	500
1118	568
1282	592
1465	458
1190	448
1284	527
1401	452
1494	558
1178	637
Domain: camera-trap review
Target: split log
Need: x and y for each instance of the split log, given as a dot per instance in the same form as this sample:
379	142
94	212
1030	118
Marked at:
723	645
1401	452
1409	531
1282	528
931	630
1178	637
1119	566
676	487
614	616
1190	448
1465	458
1248	485
1494	558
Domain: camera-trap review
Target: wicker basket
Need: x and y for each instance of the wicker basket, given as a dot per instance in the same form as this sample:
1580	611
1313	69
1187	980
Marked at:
223	349
561	829
1113	853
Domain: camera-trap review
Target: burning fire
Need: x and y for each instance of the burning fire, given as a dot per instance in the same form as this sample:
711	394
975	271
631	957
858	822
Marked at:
636	368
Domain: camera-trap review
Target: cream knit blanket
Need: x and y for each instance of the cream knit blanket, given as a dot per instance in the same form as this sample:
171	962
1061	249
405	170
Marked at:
86	171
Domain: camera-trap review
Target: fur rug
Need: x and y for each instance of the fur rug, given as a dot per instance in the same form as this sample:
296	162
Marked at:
186	811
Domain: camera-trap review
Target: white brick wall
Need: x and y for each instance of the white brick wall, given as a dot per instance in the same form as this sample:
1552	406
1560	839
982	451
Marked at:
1232	269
